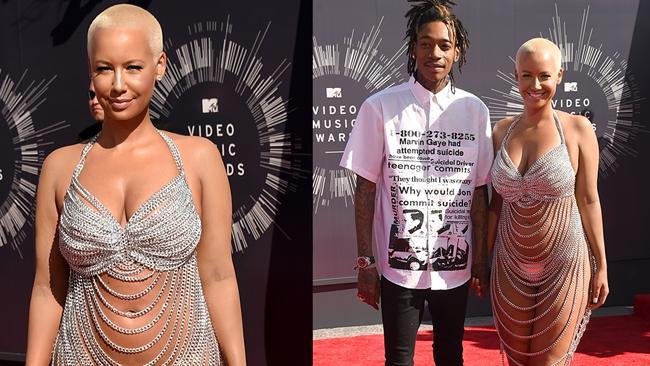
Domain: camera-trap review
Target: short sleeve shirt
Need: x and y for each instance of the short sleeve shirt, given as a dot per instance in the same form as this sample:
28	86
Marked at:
426	153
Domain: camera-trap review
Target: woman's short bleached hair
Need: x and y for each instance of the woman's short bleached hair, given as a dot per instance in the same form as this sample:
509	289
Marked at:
541	45
128	16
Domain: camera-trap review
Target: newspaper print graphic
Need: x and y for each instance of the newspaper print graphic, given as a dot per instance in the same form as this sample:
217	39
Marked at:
431	198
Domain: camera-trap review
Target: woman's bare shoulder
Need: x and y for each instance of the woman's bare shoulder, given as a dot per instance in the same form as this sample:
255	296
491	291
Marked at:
196	152
500	128
574	122
63	158
504	124
58	166
577	129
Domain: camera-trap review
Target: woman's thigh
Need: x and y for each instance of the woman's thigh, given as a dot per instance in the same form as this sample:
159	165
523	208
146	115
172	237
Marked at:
564	312
513	310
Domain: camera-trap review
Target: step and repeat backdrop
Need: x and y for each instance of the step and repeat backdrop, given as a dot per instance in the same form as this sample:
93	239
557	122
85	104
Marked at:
234	76
359	49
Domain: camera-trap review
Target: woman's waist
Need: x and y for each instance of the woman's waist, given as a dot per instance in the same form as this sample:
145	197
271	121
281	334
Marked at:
132	287
542	222
137	333
539	241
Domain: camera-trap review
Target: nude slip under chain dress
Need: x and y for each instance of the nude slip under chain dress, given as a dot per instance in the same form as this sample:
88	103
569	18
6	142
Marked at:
156	248
539	215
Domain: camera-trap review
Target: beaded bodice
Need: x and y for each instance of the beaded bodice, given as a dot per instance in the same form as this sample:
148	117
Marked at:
162	234
134	292
549	177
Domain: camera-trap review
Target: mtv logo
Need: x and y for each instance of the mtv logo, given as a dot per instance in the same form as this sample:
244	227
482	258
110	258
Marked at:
571	87
333	93
210	105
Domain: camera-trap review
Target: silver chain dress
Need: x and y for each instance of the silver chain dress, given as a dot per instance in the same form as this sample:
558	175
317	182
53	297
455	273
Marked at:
540	255
156	253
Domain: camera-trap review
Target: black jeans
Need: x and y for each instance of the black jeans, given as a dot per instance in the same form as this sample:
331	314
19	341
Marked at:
401	312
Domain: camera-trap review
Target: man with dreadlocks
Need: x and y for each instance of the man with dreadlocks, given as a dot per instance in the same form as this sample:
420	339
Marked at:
422	153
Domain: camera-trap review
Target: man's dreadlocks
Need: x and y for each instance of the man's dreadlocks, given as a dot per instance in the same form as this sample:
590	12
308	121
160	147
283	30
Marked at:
426	11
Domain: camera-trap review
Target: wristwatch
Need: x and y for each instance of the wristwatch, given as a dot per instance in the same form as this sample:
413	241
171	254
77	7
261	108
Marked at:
365	263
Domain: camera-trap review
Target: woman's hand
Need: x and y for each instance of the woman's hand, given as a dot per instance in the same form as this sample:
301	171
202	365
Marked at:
600	288
480	278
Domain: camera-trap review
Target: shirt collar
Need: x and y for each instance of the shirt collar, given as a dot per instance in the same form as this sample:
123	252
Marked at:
424	96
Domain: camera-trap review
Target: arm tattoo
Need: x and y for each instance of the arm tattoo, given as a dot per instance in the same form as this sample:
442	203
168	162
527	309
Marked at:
364	210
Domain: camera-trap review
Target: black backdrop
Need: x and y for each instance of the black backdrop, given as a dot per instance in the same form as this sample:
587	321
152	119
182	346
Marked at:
43	83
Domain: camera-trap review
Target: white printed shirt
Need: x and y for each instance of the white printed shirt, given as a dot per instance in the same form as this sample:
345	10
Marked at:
426	153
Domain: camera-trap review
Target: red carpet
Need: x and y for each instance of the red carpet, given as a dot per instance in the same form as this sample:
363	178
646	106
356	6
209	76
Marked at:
608	341
642	306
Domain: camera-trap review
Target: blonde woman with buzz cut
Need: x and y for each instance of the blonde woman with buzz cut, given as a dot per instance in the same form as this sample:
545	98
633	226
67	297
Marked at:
545	226
133	260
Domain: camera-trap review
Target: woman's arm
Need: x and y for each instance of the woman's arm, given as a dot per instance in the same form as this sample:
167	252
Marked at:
493	222
589	205
51	278
480	262
214	253
498	133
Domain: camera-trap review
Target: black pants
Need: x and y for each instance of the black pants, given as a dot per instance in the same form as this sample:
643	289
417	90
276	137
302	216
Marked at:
401	312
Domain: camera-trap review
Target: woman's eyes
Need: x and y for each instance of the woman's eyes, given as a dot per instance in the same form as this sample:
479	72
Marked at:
541	77
129	67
